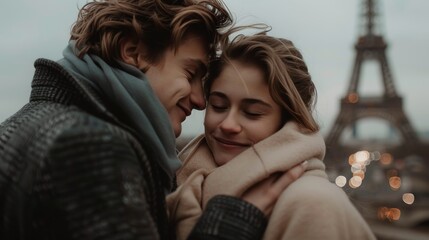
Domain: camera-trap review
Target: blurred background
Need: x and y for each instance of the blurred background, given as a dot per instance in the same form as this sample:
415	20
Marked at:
369	156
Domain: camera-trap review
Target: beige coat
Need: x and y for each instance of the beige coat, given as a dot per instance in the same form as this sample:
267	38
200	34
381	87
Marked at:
310	208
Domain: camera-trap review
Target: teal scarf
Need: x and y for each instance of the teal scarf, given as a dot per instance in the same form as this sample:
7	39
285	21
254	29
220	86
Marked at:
130	90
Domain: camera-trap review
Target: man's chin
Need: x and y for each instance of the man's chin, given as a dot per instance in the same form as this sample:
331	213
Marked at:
178	130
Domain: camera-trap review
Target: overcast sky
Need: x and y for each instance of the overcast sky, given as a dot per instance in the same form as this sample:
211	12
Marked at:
324	30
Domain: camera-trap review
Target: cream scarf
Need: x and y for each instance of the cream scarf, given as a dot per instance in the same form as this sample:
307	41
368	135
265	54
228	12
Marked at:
199	179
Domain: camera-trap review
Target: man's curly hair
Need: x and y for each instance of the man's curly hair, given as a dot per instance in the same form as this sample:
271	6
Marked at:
155	24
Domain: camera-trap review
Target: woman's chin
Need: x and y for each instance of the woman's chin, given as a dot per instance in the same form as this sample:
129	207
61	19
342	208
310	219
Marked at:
221	160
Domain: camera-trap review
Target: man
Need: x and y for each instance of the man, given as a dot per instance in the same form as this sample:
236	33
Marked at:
92	155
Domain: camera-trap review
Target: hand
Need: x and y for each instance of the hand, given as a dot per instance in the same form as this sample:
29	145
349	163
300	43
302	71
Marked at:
264	194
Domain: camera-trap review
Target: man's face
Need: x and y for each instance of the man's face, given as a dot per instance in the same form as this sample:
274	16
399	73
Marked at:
177	79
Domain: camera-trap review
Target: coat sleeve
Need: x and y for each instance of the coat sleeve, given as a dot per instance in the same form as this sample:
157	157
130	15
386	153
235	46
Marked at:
98	188
227	217
314	208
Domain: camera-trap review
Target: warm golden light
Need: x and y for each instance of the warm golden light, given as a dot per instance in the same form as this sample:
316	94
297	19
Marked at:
360	174
386	159
353	98
395	183
341	181
382	212
394	214
352	159
355	182
362	156
408	198
391	214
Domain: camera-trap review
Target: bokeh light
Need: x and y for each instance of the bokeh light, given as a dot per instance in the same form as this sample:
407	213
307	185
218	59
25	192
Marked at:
408	198
353	98
341	181
395	182
355	182
390	214
362	156
386	159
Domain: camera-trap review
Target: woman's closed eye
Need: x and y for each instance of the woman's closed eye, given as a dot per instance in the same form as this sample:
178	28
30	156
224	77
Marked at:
255	109
218	107
253	114
218	102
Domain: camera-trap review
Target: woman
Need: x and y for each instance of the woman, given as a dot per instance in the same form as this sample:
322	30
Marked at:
259	123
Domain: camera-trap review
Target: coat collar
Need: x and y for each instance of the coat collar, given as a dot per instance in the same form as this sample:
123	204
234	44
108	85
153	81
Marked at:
51	82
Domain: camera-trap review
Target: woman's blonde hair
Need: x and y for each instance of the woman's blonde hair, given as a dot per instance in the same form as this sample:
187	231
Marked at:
155	24
285	71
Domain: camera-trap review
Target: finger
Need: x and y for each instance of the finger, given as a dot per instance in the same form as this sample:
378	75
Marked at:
290	176
269	210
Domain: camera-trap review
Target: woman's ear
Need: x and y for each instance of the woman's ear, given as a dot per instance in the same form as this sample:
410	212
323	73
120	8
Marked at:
132	54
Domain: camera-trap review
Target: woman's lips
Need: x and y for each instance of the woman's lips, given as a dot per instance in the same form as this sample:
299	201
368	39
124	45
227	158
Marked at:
230	143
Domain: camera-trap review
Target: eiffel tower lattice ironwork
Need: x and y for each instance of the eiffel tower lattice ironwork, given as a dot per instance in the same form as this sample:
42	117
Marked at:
388	106
368	166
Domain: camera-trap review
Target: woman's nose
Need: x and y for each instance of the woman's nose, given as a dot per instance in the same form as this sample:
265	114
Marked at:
231	123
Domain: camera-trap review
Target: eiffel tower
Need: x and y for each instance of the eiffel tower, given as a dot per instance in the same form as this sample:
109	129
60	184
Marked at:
408	159
387	106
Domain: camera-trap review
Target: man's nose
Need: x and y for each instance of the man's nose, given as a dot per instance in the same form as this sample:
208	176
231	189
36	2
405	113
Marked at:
197	97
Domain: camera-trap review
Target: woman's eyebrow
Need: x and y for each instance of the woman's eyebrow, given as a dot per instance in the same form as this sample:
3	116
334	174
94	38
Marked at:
218	94
250	101
247	101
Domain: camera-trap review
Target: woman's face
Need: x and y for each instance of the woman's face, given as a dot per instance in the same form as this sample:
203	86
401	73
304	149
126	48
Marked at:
240	111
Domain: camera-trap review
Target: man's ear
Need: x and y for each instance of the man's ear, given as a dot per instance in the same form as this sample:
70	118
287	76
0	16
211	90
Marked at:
132	54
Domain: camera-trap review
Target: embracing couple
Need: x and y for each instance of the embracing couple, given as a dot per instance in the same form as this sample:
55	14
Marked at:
93	153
